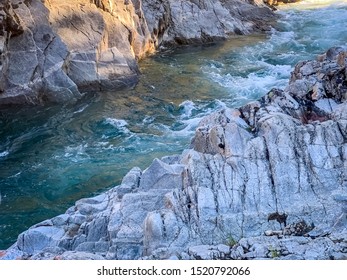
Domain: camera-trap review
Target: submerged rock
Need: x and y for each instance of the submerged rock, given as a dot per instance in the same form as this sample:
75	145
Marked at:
267	180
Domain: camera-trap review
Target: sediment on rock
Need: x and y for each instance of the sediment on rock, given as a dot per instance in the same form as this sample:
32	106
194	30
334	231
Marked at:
267	180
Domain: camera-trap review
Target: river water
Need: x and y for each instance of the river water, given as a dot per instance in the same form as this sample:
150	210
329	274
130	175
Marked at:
53	156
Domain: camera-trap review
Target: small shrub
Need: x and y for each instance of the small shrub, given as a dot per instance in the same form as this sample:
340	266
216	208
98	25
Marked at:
274	253
230	241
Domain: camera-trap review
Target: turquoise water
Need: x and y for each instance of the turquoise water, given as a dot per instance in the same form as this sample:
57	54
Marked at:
52	156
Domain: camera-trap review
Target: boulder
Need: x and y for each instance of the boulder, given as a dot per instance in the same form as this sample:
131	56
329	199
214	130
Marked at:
38	238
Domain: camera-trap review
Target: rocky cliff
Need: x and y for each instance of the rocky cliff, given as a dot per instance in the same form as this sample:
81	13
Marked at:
54	51
267	180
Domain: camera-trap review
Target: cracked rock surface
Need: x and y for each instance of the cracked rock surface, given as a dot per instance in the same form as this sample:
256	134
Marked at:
54	51
267	180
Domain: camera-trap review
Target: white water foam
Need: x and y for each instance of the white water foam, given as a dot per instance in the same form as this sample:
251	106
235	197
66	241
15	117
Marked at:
120	124
187	107
193	113
254	85
4	154
81	109
77	153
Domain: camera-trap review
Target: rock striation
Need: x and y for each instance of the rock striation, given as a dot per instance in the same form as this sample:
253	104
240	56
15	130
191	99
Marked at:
62	49
267	180
54	51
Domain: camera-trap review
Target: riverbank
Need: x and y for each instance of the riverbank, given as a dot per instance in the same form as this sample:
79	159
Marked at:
53	52
267	180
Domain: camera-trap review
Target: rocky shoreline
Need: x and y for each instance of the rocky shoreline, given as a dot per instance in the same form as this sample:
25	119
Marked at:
54	51
265	181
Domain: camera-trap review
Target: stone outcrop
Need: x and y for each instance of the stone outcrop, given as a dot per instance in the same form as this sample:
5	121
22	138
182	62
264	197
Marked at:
54	51
267	180
61	49
185	22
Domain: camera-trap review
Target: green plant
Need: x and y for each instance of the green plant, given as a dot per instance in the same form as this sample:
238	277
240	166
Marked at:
230	240
274	253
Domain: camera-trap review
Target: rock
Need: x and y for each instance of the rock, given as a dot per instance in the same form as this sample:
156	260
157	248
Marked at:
206	252
32	61
225	134
78	256
274	3
60	220
54	51
321	79
338	256
327	105
189	21
36	239
161	176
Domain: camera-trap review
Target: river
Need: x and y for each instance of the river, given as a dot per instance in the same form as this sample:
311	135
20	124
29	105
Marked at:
53	156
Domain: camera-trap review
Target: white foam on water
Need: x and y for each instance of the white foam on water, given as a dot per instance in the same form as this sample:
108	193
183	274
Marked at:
120	124
4	154
188	130
254	85
16	175
81	109
187	107
194	112
77	153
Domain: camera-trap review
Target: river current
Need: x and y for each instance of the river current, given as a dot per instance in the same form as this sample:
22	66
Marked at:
52	156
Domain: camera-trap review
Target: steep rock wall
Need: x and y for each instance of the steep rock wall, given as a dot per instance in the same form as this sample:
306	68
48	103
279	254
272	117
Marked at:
54	51
63	48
